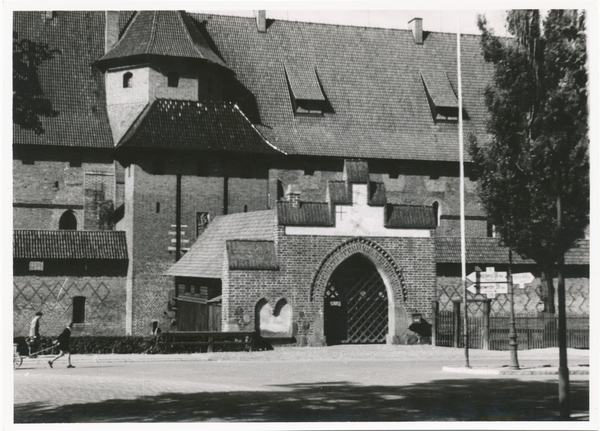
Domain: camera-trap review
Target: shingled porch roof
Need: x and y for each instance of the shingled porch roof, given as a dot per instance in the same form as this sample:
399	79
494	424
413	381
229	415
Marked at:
205	258
487	250
69	244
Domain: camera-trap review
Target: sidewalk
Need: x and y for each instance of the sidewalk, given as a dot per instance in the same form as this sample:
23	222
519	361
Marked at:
546	360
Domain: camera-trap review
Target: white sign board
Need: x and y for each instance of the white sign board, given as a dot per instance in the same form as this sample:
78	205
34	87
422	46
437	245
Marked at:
522	279
490	282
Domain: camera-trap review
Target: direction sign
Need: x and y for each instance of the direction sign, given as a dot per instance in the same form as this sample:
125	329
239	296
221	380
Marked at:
489	276
522	279
488	283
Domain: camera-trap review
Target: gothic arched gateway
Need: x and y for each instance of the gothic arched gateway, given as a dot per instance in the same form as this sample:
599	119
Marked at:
362	293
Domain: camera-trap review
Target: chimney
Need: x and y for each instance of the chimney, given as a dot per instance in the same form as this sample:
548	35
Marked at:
112	30
416	25
261	20
292	194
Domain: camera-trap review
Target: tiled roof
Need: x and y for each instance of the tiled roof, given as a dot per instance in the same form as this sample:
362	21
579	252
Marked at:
205	258
356	171
252	254
303	81
338	193
487	250
187	125
371	78
164	33
377	194
439	88
69	244
409	217
306	214
75	88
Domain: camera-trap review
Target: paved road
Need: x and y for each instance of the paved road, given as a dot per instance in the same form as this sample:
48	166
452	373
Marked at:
345	383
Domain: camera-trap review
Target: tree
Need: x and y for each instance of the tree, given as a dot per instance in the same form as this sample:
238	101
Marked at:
29	103
535	168
536	160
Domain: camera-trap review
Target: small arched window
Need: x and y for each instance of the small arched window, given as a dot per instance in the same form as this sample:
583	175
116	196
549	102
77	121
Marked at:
67	221
173	79
436	212
127	78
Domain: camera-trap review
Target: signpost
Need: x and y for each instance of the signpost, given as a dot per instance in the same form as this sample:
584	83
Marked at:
522	279
488	283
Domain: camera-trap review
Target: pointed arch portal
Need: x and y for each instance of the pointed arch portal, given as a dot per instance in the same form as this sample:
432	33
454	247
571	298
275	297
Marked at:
356	304
360	291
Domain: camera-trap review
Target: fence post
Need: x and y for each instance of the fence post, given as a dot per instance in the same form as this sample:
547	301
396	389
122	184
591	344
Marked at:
486	324
435	307
456	322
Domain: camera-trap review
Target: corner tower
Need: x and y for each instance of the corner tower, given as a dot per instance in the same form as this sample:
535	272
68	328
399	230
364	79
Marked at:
160	55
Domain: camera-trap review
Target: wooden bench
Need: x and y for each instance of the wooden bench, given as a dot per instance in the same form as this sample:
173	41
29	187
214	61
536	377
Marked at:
209	339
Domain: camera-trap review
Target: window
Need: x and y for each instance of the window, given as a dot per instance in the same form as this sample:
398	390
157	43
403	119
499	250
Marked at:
157	208
127	80
440	95
173	79
280	190
305	89
245	208
436	212
67	221
202	221
36	266
79	309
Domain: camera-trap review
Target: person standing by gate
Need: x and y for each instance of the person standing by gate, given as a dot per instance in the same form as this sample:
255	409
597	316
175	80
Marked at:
33	341
63	341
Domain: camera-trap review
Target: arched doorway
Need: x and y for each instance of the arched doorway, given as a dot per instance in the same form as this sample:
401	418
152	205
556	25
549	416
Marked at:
356	304
67	221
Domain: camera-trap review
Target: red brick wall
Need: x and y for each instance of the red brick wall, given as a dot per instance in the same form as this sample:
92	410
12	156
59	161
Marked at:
53	296
300	258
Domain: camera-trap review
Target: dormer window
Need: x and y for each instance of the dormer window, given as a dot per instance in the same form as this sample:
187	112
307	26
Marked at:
441	96
127	79
173	79
305	89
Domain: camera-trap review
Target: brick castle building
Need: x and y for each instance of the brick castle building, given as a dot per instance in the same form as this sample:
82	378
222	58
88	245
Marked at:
228	173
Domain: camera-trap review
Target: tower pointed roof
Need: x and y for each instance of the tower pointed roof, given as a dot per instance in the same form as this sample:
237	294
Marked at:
164	33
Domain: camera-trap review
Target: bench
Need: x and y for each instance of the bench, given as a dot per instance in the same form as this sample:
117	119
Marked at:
210	340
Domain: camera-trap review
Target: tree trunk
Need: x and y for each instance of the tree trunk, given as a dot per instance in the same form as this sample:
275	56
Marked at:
548	290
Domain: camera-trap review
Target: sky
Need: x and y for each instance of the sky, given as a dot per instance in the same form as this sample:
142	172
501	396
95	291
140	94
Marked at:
433	20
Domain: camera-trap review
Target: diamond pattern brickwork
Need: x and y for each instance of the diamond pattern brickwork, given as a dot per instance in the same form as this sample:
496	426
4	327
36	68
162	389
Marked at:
53	296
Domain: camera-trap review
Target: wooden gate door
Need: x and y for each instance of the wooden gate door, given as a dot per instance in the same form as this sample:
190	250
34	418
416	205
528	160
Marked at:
356	304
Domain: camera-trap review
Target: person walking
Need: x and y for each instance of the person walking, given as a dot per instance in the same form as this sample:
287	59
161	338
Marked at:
63	341
33	342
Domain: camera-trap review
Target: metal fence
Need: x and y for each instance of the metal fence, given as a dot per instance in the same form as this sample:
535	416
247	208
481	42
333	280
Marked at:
534	331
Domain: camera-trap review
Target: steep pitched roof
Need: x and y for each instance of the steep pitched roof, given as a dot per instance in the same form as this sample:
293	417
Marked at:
69	244
305	214
371	78
487	250
75	88
186	125
205	258
161	33
409	217
251	254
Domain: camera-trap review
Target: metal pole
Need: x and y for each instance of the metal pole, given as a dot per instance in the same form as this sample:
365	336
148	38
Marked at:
512	332
463	257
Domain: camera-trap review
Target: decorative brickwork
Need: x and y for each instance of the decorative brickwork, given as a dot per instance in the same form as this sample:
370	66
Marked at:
53	296
527	300
382	259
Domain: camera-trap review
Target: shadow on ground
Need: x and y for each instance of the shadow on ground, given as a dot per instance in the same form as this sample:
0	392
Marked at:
438	400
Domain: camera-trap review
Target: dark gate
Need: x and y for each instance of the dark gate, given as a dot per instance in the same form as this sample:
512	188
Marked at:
356	304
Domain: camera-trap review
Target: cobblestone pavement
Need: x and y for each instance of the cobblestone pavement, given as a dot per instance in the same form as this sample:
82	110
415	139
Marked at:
344	383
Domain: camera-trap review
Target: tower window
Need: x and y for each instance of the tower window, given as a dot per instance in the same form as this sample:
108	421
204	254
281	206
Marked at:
79	309
67	221
157	207
127	78
173	79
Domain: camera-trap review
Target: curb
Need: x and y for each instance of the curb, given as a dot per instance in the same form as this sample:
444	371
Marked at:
542	370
